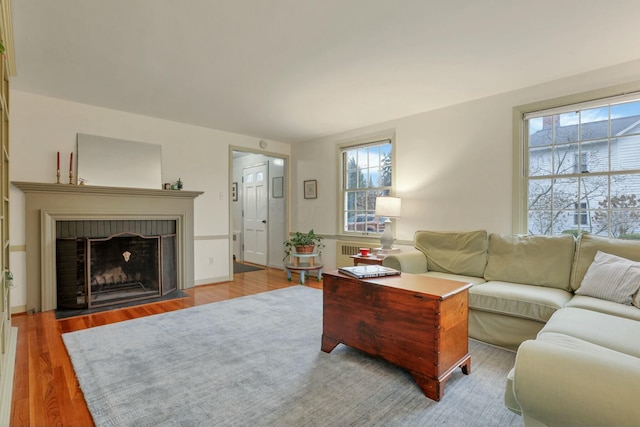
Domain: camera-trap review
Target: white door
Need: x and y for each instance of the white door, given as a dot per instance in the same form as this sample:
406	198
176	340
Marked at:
255	204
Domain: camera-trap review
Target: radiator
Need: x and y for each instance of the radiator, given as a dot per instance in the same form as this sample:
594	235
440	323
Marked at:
345	249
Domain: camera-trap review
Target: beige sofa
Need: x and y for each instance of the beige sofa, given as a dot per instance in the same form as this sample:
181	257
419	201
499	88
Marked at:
578	360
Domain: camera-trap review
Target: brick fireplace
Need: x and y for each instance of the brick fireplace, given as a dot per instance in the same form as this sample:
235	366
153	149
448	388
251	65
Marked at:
50	209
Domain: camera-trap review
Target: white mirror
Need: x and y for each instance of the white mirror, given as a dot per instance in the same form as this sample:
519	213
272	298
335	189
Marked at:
114	162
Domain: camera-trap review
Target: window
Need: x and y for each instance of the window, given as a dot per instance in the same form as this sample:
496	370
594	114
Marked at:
580	163
580	216
366	174
582	170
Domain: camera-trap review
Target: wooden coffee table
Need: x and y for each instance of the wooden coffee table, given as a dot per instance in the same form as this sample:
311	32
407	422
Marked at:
418	323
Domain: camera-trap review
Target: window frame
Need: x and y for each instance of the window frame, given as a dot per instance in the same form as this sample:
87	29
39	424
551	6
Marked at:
371	140
520	208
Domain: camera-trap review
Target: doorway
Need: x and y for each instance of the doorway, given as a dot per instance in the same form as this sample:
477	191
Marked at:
258	214
255	208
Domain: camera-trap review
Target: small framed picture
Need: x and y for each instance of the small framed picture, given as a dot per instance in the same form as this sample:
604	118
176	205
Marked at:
234	191
278	187
311	189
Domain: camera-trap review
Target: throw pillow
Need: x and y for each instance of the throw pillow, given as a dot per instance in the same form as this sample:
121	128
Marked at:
611	278
589	244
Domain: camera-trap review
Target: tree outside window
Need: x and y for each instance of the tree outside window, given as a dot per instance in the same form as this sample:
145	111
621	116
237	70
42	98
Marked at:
367	174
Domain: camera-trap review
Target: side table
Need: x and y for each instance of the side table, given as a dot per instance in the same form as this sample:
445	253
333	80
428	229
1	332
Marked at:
303	263
370	259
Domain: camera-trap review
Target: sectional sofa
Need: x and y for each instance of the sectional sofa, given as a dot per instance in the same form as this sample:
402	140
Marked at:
569	307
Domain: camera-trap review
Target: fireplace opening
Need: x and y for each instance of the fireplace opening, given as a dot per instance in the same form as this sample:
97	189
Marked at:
122	268
104	271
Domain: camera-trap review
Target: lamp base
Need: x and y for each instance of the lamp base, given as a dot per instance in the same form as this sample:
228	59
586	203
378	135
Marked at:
386	240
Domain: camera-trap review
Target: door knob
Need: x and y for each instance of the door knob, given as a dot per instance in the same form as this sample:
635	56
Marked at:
264	221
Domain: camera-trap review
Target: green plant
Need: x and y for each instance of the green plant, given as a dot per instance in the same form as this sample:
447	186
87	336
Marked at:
303	239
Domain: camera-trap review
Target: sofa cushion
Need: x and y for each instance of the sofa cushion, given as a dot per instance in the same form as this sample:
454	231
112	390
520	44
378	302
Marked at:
612	332
587	247
531	260
463	253
602	306
611	278
518	300
448	276
565	381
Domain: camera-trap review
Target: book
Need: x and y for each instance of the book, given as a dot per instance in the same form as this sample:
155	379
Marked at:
367	271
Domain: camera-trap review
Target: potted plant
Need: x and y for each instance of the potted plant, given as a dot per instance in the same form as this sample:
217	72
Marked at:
303	243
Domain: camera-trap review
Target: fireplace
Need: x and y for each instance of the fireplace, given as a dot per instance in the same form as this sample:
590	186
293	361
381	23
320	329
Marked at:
95	271
79	213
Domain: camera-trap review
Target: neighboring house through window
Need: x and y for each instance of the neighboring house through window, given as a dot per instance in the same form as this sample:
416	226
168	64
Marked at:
366	174
580	216
582	168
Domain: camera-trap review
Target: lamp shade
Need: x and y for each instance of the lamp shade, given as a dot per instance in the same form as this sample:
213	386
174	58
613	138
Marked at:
388	206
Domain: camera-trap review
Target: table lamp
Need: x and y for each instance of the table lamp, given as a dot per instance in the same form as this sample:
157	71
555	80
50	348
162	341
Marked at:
388	207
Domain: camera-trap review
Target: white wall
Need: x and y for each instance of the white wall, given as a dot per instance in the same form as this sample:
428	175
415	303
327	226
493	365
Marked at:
453	166
41	126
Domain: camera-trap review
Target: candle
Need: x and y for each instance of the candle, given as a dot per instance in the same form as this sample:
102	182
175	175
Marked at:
71	162
58	160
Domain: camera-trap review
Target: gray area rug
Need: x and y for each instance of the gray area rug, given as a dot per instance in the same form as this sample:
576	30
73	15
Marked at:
256	360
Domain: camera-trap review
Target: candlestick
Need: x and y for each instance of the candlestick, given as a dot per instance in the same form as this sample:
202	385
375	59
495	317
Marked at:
58	176
71	168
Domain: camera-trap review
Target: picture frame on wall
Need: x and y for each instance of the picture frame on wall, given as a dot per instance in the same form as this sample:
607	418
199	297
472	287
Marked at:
234	191
277	187
311	189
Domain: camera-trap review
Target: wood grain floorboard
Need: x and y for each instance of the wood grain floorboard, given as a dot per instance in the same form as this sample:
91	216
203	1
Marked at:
46	390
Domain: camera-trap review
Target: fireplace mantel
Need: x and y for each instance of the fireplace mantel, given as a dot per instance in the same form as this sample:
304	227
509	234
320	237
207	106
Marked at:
47	203
31	187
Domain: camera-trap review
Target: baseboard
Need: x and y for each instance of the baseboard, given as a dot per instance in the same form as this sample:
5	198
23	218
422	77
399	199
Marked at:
212	280
6	380
19	309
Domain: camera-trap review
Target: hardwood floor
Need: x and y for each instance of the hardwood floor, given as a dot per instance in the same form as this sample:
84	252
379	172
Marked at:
46	391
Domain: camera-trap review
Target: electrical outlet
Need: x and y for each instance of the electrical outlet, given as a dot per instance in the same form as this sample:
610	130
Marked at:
210	260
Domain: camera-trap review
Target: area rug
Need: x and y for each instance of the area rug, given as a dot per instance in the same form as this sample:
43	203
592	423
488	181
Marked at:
244	268
256	361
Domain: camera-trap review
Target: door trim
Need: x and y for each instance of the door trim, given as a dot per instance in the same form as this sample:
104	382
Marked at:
286	192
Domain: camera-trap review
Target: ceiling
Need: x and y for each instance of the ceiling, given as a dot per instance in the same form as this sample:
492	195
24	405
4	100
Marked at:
294	70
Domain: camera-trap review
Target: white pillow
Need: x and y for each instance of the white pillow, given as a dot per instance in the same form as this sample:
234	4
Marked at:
612	278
